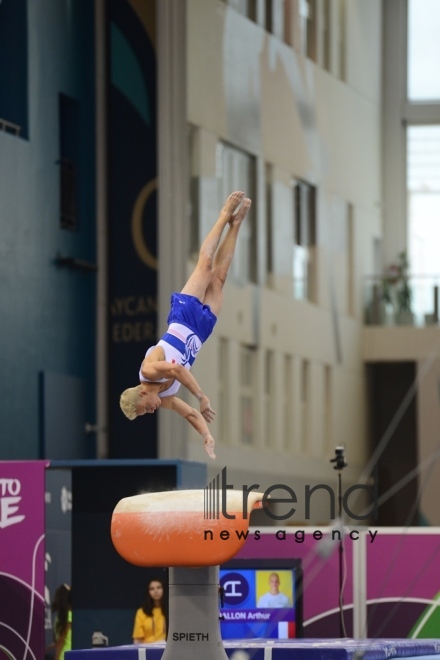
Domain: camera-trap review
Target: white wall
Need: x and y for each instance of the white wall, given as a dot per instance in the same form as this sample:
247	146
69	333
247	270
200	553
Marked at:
246	87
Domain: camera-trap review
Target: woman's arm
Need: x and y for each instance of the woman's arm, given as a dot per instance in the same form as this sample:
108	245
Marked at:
138	634
194	418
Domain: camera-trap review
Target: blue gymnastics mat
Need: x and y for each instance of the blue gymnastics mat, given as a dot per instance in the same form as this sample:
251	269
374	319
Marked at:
289	649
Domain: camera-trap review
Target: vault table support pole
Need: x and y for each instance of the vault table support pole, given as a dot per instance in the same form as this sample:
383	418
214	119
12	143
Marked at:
194	628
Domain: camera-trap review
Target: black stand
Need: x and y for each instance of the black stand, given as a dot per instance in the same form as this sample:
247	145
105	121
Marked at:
339	459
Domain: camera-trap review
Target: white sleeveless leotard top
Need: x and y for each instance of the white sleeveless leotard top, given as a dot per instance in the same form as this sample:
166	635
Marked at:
180	345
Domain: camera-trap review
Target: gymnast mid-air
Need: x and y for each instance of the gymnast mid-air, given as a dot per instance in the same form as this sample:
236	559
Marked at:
191	320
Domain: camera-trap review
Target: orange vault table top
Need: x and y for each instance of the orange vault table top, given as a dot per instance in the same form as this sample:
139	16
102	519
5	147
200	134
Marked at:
182	527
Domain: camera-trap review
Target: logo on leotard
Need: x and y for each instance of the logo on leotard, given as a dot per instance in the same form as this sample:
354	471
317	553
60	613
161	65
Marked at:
192	347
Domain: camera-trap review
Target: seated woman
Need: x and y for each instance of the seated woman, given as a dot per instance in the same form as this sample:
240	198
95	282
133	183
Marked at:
150	623
62	624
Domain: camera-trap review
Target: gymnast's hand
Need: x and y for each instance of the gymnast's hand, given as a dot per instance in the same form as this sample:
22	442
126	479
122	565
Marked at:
209	443
205	408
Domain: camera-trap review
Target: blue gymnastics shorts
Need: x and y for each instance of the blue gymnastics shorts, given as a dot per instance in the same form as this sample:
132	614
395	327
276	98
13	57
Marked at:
189	311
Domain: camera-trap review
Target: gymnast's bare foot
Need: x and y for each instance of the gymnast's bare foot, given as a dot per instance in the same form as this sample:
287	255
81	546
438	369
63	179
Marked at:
240	215
230	205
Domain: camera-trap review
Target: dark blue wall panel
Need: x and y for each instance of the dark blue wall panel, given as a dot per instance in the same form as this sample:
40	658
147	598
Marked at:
48	312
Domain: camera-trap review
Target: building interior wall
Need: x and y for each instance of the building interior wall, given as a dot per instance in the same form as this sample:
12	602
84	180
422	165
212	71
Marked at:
249	89
324	120
48	311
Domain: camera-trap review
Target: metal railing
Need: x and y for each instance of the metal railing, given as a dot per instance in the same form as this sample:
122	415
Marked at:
413	300
9	127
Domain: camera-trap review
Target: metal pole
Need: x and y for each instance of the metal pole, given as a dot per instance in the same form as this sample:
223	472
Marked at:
341	563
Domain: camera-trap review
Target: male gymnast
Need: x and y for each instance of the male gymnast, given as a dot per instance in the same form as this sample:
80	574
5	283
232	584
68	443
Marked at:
191	320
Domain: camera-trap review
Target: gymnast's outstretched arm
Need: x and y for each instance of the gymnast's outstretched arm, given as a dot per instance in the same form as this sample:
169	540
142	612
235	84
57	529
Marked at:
194	418
154	371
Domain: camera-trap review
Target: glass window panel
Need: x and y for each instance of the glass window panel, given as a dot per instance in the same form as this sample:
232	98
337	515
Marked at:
303	266
288	422
240	5
223	391
247	394
304	403
268	396
423	50
423	182
326	35
236	170
247	420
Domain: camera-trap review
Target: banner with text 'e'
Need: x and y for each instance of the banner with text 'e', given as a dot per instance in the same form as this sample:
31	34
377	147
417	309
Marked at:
22	606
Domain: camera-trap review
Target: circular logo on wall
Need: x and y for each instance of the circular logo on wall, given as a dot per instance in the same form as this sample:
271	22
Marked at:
236	588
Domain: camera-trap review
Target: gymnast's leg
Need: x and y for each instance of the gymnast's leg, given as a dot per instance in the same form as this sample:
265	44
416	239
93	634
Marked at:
200	279
223	260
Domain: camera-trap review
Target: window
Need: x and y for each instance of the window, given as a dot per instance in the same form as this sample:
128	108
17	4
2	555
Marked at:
223	390
269	221
237	172
351	268
423	181
311	50
269	401
247	8
423	50
287	400
304	396
275	18
423	156
194	193
247	395
69	135
326	35
303	267
342	256
14	67
290	23
307	10
303	11
341	39
328	407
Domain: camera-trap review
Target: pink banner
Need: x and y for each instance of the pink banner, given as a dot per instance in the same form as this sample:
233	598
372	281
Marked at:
22	558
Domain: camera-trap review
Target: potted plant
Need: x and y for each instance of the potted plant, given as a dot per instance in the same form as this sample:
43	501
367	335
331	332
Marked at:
397	291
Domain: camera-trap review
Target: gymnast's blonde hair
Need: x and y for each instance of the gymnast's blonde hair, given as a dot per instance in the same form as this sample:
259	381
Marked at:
129	401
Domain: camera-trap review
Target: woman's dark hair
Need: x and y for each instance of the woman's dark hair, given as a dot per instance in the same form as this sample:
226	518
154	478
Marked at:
148	603
61	605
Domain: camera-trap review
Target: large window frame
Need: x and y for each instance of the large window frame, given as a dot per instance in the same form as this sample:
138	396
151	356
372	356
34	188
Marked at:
304	258
236	170
247	394
400	112
314	28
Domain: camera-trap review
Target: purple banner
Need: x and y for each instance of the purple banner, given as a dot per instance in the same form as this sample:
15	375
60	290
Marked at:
403	587
22	558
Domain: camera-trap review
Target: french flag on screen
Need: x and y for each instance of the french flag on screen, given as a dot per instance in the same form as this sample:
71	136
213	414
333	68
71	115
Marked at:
286	629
